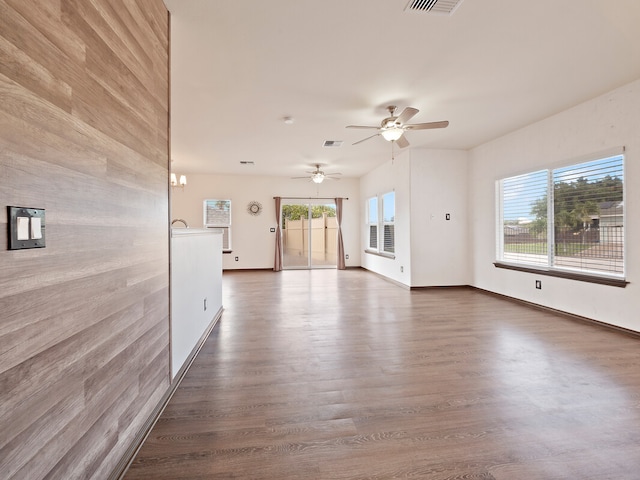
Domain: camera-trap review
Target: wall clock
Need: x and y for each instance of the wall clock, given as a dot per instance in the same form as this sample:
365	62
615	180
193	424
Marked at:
254	208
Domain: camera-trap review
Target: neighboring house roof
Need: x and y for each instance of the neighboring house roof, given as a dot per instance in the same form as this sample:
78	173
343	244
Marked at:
611	208
610	214
515	229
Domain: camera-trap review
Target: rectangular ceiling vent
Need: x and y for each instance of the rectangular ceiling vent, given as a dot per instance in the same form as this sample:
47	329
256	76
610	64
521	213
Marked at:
249	163
438	7
332	143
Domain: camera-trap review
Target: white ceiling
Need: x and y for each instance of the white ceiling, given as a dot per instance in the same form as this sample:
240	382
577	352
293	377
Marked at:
240	67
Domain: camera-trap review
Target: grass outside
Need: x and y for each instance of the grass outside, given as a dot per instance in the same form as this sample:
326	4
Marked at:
562	249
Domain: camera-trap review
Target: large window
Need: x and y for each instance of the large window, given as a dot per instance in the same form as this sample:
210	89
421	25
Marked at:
381	215
565	220
217	214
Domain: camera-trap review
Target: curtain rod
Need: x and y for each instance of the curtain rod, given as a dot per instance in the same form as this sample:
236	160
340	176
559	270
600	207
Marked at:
312	198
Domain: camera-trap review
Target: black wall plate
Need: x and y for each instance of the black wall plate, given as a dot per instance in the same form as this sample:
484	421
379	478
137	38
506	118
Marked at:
32	227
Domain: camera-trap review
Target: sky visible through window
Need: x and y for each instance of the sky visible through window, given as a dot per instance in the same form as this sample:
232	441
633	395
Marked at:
522	192
388	207
592	171
373	210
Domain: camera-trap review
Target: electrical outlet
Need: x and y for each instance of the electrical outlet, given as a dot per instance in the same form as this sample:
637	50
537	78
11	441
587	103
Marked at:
447	216
347	256
401	269
538	284
205	304
236	259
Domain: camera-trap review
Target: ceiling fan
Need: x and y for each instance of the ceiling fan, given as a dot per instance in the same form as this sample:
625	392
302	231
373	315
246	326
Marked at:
393	127
318	176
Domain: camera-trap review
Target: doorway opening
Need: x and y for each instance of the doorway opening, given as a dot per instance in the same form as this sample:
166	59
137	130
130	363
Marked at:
309	234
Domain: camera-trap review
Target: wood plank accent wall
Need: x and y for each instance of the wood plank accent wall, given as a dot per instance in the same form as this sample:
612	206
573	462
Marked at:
84	322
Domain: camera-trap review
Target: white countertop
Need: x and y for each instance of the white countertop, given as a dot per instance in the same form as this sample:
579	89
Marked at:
180	232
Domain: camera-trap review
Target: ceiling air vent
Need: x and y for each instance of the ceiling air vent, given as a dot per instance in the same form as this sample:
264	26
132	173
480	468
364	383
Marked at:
249	163
332	143
440	7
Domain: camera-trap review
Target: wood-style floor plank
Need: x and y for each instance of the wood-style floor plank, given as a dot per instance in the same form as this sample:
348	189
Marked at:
341	375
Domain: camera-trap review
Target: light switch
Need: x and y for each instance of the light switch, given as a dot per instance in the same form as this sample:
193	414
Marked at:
23	228
36	228
26	227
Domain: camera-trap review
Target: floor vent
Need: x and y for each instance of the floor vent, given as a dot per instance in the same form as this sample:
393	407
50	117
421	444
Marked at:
332	143
249	163
439	7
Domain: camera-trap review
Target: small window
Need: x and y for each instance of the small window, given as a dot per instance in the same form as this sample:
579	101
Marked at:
388	220
373	223
217	214
567	219
381	214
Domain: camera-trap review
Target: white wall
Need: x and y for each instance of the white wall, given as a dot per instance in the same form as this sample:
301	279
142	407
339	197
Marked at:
252	241
439	247
602	123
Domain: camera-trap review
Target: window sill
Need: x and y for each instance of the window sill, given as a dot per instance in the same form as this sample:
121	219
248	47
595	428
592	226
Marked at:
581	277
381	254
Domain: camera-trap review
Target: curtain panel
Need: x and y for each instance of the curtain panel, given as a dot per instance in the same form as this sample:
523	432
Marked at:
341	263
277	264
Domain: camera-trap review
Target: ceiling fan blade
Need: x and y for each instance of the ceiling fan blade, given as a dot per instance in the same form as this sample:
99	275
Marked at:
407	114
364	139
402	142
425	126
361	126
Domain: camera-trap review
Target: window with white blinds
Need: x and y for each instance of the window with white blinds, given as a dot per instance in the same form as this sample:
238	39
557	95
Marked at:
217	214
565	219
381	213
372	223
388	222
524	218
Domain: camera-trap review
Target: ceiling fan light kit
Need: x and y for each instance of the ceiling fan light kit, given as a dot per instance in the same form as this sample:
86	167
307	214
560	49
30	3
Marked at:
393	127
318	176
392	134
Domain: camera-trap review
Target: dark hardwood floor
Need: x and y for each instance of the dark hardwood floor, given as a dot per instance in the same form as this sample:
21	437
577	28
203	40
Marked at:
331	374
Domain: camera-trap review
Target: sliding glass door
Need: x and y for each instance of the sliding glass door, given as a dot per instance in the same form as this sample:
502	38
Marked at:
309	234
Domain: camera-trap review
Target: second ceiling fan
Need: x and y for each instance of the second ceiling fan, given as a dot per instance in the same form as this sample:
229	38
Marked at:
393	127
318	176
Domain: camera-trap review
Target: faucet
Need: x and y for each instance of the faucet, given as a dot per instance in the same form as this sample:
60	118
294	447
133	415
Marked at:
180	220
